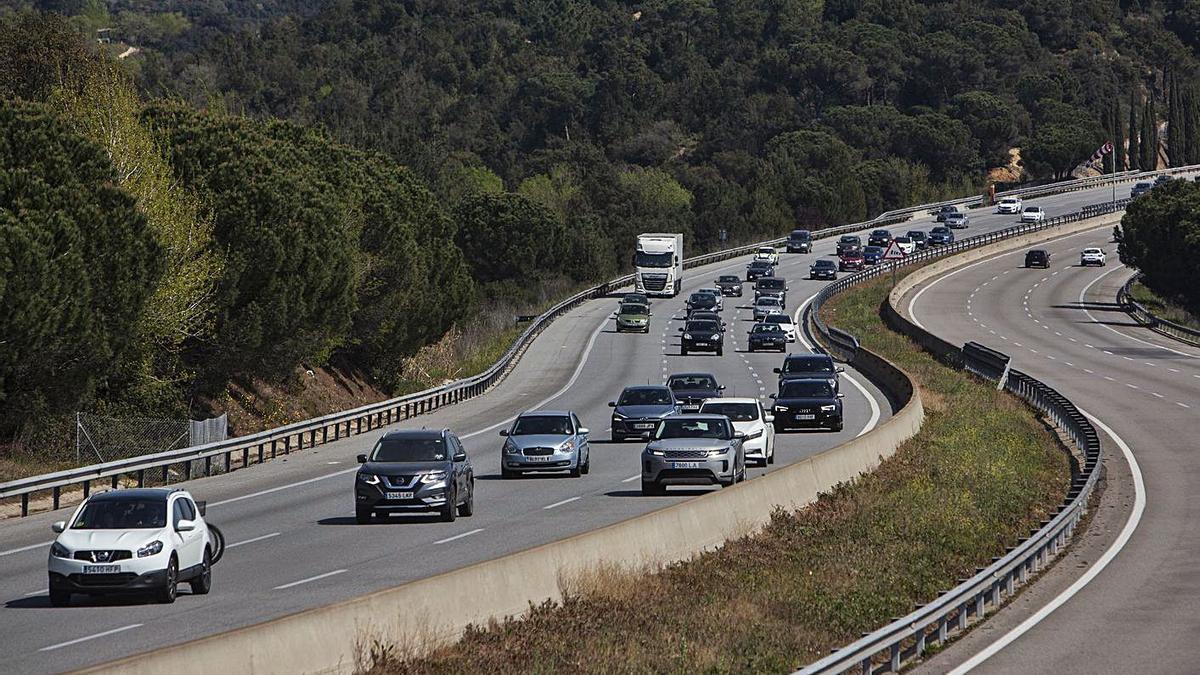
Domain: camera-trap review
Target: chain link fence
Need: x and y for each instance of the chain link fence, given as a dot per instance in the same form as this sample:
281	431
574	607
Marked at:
104	439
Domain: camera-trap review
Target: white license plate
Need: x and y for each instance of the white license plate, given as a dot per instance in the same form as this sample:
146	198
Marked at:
806	417
644	426
101	569
539	459
399	495
686	465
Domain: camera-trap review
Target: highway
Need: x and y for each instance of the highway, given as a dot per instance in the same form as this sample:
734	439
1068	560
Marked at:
290	525
1124	596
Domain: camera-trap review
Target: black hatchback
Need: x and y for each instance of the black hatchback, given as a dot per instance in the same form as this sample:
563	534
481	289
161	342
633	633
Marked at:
415	470
1037	258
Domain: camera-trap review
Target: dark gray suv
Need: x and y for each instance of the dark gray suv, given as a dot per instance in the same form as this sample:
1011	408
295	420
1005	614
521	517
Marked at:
415	470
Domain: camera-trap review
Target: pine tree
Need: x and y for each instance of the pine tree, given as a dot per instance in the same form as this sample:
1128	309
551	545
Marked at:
1117	137
1135	151
1191	126
1149	136
1175	142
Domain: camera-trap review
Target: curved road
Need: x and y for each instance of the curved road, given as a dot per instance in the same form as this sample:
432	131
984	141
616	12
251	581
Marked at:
1125	596
293	544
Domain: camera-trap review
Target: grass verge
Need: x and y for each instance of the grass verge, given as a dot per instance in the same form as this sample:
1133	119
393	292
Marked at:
1163	308
981	473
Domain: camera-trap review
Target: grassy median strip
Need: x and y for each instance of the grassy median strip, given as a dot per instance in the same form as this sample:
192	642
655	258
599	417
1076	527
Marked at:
981	473
1162	308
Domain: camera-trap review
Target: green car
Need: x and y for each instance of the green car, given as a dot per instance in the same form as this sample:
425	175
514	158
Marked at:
633	317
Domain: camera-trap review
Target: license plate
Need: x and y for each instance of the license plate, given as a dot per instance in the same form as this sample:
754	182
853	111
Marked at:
701	344
806	417
644	426
538	459
399	495
686	465
101	569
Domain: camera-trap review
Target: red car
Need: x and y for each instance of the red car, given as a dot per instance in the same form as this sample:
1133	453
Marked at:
851	261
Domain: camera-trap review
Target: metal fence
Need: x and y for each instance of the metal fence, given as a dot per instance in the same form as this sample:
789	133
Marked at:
1147	318
256	448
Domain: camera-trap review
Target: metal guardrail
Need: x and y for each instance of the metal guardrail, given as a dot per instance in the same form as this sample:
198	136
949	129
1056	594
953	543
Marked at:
1147	318
890	647
254	448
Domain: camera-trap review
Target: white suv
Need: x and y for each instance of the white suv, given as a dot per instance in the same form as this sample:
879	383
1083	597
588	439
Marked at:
1009	205
1033	214
131	541
767	253
1092	256
748	417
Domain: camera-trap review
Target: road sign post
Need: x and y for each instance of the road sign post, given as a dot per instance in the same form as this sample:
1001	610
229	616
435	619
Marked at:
893	255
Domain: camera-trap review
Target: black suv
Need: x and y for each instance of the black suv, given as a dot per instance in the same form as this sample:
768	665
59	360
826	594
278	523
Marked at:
823	269
1037	258
772	286
849	242
702	301
879	238
940	236
799	241
415	470
809	367
918	238
702	336
758	269
807	404
730	284
691	389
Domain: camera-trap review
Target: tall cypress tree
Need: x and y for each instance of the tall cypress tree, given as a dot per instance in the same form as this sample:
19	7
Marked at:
1191	126
1135	150
1118	136
1149	136
1175	142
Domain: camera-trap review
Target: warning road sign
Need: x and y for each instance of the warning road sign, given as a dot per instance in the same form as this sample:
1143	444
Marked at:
893	252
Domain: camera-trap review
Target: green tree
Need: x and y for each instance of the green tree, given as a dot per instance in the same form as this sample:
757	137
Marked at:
1135	149
1149	144
990	120
1061	147
507	236
1161	238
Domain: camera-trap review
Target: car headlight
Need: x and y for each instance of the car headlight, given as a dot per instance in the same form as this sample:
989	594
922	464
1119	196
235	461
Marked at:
655	451
153	548
828	408
510	447
369	478
59	551
433	477
617	415
781	408
567	446
754	435
687	336
718	451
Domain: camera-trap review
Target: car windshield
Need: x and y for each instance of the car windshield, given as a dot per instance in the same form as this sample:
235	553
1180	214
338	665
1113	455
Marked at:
554	425
702	327
1009	200
768	301
916	235
872	250
768	327
653	259
122	514
808	364
849	239
823	263
678	382
903	240
650	396
881	233
636	310
736	412
703	299
939	230
636	297
1143	185
401	449
693	428
766	250
1092	250
1031	209
771	284
800	234
778	318
760	264
806	389
728	279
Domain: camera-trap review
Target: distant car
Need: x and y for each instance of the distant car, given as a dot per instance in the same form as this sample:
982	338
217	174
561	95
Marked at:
758	269
1141	188
807	404
634	298
638	410
849	242
768	336
1008	205
784	321
823	269
766	306
772	286
940	236
414	470
716	293
730	285
706	301
872	255
1037	258
906	245
852	261
879	238
706	315
140	540
918	237
767	253
691	389
957	221
545	440
633	318
1162	179
809	367
693	450
945	211
1093	256
748	417
702	336
799	241
1033	214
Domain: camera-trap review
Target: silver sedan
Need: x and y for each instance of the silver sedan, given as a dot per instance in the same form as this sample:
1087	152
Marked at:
545	440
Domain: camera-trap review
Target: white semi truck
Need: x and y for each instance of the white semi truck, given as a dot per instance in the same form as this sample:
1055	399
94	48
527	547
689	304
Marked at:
659	264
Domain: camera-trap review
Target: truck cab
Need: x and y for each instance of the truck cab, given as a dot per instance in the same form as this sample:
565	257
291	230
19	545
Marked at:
658	264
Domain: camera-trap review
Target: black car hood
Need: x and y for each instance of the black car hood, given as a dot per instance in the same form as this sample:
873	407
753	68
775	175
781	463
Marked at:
696	393
404	468
806	402
810	375
644	410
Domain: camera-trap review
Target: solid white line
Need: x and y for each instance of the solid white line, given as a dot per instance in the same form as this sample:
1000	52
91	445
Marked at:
1083	292
1182	405
91	637
24	548
459	536
41	592
1135	517
282	487
557	504
632	478
305	581
251	541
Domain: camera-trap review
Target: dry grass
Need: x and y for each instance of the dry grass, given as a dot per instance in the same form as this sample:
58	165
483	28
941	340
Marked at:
1163	308
982	472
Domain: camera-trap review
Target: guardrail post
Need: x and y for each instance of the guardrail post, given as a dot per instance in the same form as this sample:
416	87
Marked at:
894	661
920	636
228	460
165	469
1009	583
358	422
943	630
866	666
56	493
207	466
114	481
272	448
979	599
995	594
141	478
187	471
245	457
87	488
287	445
260	453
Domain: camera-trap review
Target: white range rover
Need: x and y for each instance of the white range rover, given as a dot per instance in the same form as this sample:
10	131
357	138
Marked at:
143	540
748	417
1009	205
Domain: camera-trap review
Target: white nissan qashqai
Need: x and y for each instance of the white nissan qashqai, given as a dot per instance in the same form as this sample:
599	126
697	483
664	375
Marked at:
131	541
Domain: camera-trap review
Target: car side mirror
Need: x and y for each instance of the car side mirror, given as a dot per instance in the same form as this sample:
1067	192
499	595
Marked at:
739	435
362	459
185	526
768	418
59	526
771	396
839	369
460	457
583	431
776	370
841	395
681	329
504	432
721	387
612	404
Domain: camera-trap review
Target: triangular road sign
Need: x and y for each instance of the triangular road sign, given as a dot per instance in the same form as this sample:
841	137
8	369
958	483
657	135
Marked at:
893	252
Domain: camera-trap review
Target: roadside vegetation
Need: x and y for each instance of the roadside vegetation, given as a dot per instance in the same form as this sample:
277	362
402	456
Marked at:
1161	238
982	471
1162	308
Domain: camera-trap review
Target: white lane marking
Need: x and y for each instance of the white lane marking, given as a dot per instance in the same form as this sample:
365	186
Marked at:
24	548
632	478
459	536
1182	405
91	637
1173	370
1089	371
1135	517
1069	363
251	541
1083	293
1158	395
557	504
1131	386
1107	352
41	592
280	488
309	580
875	412
1109	378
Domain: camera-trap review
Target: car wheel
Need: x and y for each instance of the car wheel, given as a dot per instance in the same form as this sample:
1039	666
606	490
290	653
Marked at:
166	594
683	351
362	515
506	474
468	507
778	427
450	510
587	464
59	598
771	454
652	488
202	584
720	351
577	470
838	426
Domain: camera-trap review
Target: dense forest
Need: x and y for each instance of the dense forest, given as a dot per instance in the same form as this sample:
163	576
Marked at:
202	190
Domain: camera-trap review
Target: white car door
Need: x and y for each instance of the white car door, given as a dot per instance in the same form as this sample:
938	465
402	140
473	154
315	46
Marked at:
189	546
768	430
